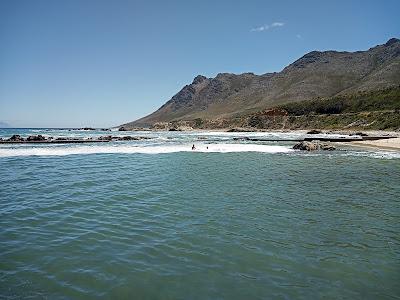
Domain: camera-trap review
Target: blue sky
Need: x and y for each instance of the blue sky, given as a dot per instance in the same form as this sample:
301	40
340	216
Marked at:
102	63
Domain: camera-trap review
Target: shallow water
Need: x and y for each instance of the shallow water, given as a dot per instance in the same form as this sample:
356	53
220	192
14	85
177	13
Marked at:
154	220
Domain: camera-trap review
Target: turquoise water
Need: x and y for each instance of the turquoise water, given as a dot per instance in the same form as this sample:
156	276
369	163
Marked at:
154	220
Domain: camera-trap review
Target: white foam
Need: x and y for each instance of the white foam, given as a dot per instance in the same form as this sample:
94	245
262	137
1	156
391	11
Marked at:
128	149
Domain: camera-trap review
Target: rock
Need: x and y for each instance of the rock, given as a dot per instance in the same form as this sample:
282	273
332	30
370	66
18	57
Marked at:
105	129
359	134
132	138
36	138
392	41
65	139
173	126
105	138
82	128
126	138
122	128
237	129
184	128
245	138
327	147
160	126
309	146
313	145
16	138
314	131
199	79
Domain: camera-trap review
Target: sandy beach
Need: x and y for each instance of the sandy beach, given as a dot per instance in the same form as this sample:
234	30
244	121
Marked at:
391	144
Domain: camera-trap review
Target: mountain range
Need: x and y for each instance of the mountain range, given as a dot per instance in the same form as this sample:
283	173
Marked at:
313	76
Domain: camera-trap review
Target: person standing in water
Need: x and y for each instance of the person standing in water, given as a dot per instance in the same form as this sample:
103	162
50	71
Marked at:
193	147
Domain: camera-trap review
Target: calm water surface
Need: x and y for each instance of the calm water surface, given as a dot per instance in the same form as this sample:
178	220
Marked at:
154	220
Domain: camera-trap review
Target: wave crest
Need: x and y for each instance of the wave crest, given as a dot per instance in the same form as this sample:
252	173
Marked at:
126	149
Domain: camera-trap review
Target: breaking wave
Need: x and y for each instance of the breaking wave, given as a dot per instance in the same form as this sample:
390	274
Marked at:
127	149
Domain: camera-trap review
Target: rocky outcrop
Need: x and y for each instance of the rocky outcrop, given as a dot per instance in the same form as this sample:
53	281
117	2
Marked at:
123	138
314	131
313	145
65	139
41	139
16	138
327	146
105	138
240	129
87	128
359	134
36	138
174	126
308	146
132	138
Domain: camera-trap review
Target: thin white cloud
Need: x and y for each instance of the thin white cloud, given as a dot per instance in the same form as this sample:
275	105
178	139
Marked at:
261	28
277	24
267	27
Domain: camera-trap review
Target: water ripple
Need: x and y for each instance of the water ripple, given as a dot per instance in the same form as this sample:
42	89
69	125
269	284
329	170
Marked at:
200	226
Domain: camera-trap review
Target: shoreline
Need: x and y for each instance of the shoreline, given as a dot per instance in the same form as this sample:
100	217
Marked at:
388	144
373	139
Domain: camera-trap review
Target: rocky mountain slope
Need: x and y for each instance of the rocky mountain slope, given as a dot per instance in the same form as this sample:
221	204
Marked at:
315	75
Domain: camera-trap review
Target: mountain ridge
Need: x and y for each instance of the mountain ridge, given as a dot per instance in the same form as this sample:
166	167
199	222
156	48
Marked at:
317	74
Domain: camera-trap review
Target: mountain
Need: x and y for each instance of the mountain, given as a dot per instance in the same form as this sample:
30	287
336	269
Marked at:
315	75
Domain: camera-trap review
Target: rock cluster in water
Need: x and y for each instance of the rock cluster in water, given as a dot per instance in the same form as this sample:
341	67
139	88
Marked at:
92	129
123	138
16	138
313	145
36	138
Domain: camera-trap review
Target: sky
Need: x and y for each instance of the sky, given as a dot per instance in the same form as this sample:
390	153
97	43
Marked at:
102	63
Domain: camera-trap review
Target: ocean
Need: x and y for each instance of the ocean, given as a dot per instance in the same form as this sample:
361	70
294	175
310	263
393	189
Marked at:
152	219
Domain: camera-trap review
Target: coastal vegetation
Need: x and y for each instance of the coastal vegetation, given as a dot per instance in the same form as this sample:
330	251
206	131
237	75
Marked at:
378	110
369	101
367	110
